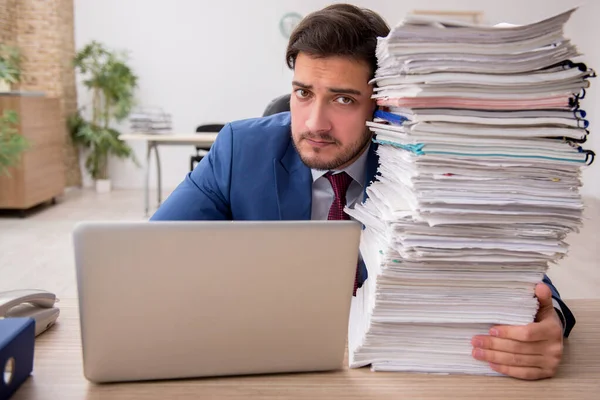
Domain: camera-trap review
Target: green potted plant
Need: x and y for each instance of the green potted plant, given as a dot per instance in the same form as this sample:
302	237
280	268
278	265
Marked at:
10	67
112	84
12	144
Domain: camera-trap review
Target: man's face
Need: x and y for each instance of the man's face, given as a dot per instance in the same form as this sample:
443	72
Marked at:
330	103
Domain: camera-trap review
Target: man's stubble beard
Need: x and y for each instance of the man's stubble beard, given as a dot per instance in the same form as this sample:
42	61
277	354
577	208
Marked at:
349	154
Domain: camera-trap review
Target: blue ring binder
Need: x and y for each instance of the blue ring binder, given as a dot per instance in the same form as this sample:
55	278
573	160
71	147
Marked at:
17	341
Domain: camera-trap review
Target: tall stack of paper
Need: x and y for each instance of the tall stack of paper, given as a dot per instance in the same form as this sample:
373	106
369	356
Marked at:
479	133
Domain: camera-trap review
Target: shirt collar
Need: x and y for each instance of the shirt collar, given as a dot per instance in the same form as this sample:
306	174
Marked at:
356	170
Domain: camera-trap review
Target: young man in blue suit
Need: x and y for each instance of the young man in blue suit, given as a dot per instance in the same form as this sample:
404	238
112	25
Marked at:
311	162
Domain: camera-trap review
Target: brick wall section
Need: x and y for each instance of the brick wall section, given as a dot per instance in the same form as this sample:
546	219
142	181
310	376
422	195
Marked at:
66	20
67	48
38	37
45	34
8	25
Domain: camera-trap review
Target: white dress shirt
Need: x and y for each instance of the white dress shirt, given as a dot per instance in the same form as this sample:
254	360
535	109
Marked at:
322	192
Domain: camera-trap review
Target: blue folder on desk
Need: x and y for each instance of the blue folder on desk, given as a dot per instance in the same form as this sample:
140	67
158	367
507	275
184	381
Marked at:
17	341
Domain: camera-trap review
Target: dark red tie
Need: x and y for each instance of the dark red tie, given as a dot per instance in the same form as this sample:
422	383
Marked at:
340	183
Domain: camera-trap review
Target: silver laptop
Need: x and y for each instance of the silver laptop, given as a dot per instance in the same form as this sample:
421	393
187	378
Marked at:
163	300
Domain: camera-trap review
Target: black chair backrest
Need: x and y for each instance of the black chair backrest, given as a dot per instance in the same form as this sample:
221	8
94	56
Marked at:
280	104
210	128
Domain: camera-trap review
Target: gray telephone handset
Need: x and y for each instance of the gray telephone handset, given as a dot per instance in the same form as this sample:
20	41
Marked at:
36	304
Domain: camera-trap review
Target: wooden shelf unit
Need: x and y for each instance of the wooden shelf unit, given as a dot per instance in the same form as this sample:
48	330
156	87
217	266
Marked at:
40	175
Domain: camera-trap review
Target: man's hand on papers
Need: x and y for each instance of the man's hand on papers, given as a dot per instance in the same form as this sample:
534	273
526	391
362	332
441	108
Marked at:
527	352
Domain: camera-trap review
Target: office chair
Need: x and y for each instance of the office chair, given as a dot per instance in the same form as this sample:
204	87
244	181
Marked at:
204	128
279	104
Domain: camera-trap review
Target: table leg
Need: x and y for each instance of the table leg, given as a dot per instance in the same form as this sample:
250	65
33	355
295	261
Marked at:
158	176
149	146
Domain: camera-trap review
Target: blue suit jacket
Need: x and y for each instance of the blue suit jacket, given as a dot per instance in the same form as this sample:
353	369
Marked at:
253	172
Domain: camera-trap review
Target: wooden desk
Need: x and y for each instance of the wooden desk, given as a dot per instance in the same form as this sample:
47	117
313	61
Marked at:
58	375
200	139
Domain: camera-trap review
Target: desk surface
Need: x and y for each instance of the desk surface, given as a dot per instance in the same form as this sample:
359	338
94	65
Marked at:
58	375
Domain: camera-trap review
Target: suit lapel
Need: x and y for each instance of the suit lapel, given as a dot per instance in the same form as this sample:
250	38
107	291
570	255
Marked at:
293	182
372	165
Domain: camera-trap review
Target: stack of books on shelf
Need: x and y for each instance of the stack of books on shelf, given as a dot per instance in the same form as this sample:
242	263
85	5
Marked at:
150	120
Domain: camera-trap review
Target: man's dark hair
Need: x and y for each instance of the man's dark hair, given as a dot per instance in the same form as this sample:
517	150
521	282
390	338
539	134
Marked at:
338	30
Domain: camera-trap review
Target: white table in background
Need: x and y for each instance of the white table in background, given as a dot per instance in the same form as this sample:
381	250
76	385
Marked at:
200	139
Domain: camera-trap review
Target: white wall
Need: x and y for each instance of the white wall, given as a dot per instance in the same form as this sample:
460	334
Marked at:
205	61
584	30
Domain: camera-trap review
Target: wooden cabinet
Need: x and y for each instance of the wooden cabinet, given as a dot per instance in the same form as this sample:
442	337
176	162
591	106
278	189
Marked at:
40	174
